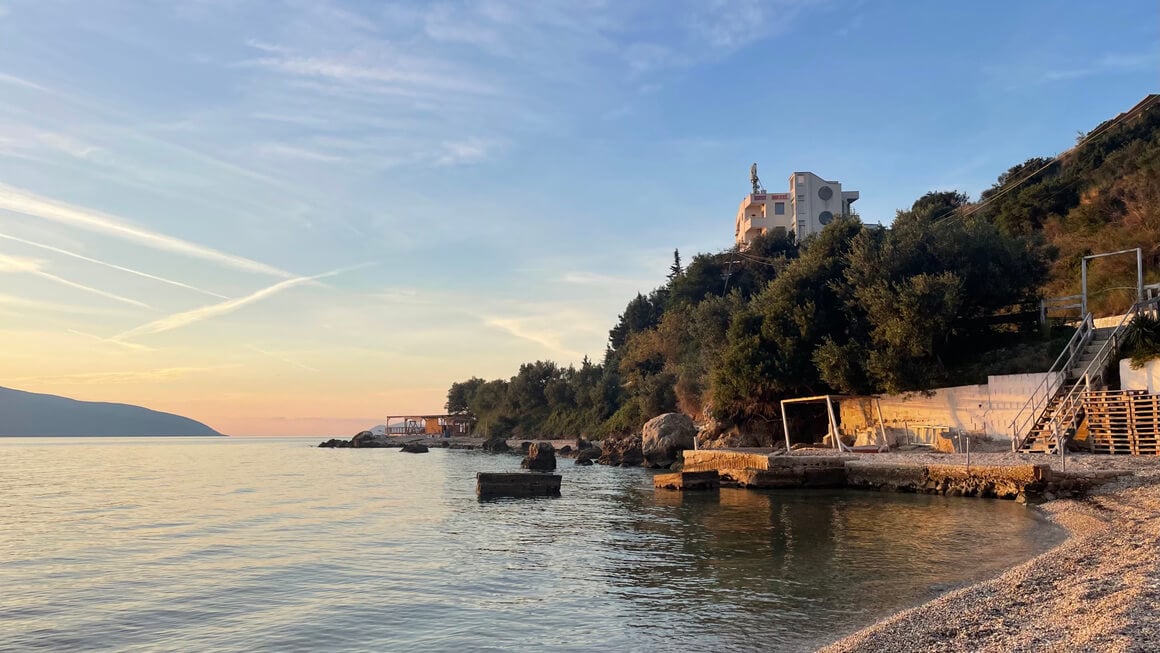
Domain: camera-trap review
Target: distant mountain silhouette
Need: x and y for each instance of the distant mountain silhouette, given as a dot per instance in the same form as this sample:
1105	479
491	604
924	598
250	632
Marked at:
31	414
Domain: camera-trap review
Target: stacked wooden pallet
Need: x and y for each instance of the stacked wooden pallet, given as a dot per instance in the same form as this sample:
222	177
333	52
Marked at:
1123	421
1146	424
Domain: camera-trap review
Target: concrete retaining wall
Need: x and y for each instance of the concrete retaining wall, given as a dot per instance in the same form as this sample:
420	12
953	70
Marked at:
1146	378
985	409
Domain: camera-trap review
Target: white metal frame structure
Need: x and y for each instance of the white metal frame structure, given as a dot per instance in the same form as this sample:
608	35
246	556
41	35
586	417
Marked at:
833	420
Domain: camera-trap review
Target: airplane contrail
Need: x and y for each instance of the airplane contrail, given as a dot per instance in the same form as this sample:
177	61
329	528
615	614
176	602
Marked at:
65	252
185	318
25	203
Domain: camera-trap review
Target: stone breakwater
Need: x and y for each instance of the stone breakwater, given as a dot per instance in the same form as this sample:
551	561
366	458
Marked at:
1022	482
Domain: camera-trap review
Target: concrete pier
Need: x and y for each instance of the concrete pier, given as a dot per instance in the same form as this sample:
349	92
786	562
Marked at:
751	469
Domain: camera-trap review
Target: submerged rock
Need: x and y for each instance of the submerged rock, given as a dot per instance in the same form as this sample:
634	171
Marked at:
496	444
541	457
587	455
414	447
335	443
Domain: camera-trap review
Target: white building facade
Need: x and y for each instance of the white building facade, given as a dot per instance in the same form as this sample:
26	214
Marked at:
811	204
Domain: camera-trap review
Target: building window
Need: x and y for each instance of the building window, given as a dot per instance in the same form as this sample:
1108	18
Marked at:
825	217
779	208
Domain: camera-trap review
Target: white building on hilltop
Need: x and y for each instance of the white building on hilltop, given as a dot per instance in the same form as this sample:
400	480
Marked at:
811	204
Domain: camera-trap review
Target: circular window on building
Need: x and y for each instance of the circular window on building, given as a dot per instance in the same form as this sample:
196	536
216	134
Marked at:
825	192
825	217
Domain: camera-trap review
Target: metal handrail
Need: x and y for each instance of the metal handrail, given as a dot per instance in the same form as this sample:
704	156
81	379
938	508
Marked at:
1067	413
1074	347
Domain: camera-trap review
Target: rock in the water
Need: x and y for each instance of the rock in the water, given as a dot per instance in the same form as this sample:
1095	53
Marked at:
622	450
367	440
414	447
541	457
566	451
587	455
335	443
663	438
496	444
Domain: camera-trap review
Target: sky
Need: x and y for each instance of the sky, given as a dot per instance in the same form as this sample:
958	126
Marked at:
294	217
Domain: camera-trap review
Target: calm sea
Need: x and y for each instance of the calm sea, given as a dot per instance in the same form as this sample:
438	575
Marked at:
274	545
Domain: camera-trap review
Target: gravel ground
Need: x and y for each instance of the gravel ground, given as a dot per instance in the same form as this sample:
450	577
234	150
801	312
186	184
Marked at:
1098	591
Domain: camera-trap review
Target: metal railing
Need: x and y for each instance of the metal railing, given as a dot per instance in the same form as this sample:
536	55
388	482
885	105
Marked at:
1066	416
1051	383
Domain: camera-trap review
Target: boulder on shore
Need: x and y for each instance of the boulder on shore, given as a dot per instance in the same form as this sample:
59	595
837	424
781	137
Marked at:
622	450
541	457
496	444
664	437
414	447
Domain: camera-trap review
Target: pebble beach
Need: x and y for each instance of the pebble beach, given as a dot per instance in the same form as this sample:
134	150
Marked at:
1097	591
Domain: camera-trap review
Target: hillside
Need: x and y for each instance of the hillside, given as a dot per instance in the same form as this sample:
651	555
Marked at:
946	296
1101	196
31	414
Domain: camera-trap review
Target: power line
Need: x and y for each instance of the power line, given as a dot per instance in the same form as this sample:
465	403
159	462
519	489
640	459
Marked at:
975	208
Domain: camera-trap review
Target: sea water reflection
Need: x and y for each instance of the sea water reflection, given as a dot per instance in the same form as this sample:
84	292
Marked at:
276	545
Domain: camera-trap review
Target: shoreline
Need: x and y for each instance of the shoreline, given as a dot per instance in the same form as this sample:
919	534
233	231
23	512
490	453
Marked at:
1099	589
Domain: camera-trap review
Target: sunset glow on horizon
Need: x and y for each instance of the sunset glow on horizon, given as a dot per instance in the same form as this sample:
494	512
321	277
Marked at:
295	218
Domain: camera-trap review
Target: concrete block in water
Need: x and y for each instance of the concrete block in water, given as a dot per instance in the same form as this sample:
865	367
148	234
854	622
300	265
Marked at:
509	484
688	481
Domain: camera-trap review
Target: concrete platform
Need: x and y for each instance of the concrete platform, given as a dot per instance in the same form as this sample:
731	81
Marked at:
707	480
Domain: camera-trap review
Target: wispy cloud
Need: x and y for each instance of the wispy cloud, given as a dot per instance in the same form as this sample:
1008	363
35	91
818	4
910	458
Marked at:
116	343
527	329
159	375
34	267
24	303
1108	63
282	357
120	268
186	318
25	203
